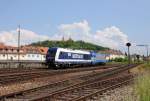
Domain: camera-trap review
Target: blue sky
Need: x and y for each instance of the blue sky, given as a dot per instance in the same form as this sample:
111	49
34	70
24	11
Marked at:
45	16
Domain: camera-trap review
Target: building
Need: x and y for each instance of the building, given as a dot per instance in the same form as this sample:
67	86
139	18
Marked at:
112	54
26	53
137	57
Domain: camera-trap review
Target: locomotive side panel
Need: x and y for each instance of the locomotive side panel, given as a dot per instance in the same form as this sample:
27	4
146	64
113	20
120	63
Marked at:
98	58
74	57
60	57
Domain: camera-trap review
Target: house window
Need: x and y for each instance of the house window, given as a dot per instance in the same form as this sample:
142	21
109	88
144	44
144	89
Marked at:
3	55
18	50
29	55
11	58
37	55
6	49
44	56
32	55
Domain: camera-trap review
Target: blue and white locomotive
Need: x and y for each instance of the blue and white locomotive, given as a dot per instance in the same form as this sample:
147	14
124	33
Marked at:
98	58
62	57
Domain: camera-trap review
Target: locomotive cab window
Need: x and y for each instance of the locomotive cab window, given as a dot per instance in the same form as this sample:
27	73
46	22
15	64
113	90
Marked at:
63	55
52	52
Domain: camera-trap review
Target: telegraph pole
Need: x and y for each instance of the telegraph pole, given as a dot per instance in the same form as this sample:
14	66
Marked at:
129	59
18	45
147	53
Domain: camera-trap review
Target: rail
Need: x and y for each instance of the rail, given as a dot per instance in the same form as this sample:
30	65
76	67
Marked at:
87	79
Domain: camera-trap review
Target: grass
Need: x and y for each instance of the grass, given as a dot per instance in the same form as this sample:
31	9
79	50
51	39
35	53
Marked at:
126	62
142	84
146	66
117	62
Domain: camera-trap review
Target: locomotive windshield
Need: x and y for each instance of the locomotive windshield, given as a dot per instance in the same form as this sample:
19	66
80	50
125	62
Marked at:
52	52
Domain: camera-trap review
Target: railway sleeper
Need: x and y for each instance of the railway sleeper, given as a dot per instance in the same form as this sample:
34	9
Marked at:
81	89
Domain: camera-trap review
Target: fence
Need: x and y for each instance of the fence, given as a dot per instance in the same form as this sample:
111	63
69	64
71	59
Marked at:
22	64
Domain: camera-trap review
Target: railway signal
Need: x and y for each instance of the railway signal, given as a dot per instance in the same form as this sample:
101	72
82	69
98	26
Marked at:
128	45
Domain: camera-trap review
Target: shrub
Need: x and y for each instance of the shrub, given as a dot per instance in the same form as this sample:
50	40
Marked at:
119	59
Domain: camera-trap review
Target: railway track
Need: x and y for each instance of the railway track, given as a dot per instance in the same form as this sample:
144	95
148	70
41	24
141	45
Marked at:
52	91
17	76
99	91
79	92
18	70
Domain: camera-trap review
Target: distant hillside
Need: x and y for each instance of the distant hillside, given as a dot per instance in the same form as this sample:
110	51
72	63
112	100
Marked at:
70	44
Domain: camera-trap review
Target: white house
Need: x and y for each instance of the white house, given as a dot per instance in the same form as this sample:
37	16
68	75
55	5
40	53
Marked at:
27	53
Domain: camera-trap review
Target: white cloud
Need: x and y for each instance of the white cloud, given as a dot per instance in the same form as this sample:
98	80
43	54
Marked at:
77	30
109	37
26	36
80	26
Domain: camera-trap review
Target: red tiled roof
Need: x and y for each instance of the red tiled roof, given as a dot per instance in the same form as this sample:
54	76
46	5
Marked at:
111	51
36	49
2	45
25	49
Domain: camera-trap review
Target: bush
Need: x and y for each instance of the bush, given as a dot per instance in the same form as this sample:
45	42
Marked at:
119	60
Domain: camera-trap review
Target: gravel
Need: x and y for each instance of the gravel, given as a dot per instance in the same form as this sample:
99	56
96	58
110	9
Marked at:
125	93
37	82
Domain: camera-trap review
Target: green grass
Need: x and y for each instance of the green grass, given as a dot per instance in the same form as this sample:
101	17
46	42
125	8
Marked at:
142	84
112	62
144	67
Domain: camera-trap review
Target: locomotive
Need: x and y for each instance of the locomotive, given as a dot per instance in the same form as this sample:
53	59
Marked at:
63	57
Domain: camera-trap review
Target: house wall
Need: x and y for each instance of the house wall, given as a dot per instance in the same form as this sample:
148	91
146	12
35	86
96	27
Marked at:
3	57
30	56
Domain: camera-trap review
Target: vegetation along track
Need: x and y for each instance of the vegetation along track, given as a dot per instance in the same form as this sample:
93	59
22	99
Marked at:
52	91
21	75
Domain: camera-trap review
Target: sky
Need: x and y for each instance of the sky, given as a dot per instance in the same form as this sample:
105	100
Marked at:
109	23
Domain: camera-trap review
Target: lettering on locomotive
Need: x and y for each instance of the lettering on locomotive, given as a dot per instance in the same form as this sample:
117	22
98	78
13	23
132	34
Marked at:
77	56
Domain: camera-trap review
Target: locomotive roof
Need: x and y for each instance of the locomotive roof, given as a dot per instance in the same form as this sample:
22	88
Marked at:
71	50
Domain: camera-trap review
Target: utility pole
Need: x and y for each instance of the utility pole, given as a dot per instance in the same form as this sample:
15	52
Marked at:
18	45
147	54
146	46
129	59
